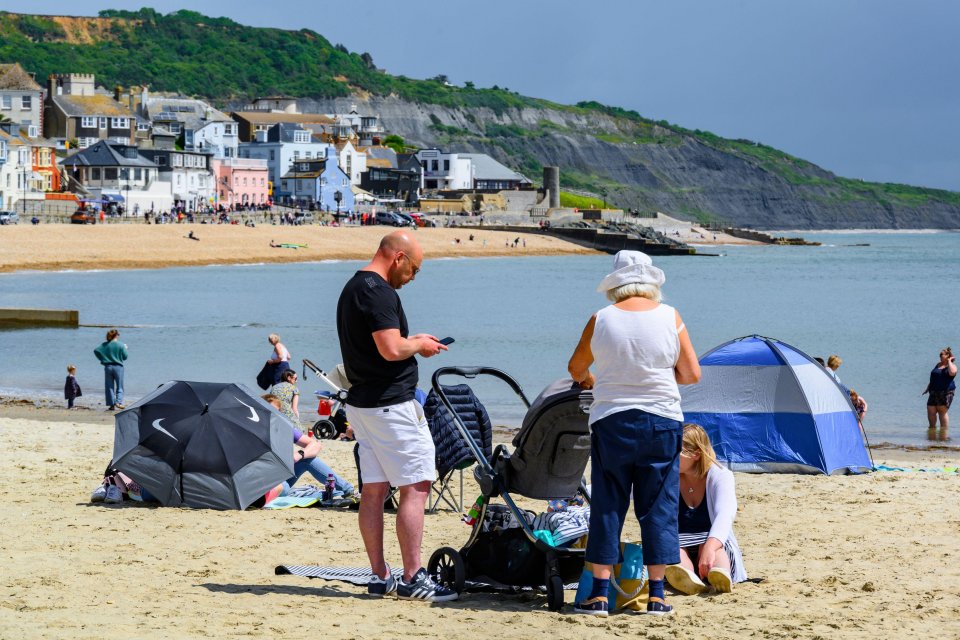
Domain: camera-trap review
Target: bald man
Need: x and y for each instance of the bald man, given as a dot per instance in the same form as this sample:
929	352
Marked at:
395	446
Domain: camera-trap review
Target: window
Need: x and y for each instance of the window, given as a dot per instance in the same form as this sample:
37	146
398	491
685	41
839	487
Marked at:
120	140
3	150
162	161
6	102
120	123
244	180
26	102
262	184
88	122
102	122
95	173
175	127
271	154
434	165
301	136
83	143
446	165
143	126
138	174
307	155
296	155
110	173
229	129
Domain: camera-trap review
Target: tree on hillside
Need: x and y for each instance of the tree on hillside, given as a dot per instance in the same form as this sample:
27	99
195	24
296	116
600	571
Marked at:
395	142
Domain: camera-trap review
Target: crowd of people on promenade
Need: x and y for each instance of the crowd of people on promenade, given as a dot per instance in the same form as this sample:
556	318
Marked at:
632	354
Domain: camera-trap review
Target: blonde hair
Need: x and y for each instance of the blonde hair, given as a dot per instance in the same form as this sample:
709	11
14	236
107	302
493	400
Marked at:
113	333
695	439
269	398
834	362
634	290
71	368
273	338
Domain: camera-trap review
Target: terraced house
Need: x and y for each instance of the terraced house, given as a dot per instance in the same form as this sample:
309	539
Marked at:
79	113
21	98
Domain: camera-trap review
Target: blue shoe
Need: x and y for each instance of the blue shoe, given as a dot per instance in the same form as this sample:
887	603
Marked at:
657	607
593	607
382	587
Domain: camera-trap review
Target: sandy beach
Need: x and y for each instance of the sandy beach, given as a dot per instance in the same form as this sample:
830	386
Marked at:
57	247
141	246
842	557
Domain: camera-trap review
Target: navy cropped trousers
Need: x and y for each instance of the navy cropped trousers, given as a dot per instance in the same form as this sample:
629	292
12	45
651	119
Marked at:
635	451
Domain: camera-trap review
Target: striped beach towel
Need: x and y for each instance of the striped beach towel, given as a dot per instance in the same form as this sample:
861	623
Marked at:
696	539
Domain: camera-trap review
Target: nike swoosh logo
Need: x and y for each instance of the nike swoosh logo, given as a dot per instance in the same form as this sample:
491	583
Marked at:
253	414
156	425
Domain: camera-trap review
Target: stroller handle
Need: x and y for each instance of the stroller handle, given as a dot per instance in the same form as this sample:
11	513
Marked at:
470	373
473	372
341	394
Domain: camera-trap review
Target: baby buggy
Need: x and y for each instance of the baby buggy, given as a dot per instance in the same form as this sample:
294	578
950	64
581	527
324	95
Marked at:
550	455
333	419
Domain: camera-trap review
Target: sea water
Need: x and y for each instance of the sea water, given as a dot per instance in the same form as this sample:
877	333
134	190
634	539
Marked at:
886	309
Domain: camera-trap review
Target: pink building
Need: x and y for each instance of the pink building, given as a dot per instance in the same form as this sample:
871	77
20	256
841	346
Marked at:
242	182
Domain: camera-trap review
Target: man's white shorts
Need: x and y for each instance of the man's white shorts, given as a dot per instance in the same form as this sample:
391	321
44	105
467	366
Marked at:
395	443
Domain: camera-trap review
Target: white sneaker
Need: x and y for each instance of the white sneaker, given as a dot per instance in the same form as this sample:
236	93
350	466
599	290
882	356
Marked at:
99	494
684	580
720	580
113	495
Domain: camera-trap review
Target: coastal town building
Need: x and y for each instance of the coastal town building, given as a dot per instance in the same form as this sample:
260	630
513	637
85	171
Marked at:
189	175
28	169
77	112
21	98
318	184
367	128
467	171
252	123
196	124
395	185
107	174
241	182
281	146
352	161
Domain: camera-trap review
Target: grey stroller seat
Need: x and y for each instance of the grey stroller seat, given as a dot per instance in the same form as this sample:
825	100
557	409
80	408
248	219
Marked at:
552	448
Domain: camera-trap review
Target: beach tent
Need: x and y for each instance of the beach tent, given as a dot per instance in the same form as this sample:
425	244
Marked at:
769	407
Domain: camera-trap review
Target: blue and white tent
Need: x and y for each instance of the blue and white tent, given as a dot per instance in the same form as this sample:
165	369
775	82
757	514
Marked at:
769	407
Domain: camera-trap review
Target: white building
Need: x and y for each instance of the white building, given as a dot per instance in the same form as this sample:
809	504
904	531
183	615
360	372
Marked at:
281	146
189	174
351	161
445	171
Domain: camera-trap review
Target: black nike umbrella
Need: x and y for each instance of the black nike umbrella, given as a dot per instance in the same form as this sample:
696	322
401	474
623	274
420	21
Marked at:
204	444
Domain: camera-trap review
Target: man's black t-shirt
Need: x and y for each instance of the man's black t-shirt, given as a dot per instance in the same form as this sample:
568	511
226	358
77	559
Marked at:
367	304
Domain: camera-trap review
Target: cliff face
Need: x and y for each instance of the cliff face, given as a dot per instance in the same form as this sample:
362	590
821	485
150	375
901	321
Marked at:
661	169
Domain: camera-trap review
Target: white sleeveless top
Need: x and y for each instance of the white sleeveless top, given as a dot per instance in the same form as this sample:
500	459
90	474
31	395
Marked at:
634	355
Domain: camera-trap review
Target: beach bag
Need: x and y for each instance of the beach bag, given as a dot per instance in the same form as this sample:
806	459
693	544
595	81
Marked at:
628	584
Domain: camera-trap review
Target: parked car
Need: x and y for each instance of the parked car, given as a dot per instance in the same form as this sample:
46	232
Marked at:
303	218
9	217
390	218
408	220
83	217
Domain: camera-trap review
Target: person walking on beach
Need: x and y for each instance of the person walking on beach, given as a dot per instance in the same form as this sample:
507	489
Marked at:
280	358
395	446
941	389
641	350
71	388
112	354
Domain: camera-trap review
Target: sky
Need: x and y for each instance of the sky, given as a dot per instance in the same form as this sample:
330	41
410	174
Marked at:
864	88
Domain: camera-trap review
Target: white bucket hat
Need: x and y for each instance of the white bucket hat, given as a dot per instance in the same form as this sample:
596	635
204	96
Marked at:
632	267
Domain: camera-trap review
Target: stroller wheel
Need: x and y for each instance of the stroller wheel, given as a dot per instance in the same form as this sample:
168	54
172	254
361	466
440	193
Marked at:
446	568
554	584
324	430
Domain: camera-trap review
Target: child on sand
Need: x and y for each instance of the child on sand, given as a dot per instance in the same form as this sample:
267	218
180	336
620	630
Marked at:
71	388
860	405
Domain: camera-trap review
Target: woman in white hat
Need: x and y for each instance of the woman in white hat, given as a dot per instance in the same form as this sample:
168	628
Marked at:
640	351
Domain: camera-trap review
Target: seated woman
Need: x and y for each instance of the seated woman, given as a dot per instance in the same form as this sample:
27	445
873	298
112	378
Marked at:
306	460
708	505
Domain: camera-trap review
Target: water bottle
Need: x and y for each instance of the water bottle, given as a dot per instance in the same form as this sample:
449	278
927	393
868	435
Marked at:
474	513
328	490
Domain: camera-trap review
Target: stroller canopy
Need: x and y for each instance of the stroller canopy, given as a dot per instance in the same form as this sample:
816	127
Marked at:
769	407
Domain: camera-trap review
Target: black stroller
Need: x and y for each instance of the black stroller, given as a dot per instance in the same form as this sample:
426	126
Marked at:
551	453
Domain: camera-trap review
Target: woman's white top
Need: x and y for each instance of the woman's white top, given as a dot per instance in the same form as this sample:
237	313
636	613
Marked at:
281	352
721	497
634	354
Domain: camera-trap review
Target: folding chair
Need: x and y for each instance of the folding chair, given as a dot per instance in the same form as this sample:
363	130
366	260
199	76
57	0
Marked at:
453	455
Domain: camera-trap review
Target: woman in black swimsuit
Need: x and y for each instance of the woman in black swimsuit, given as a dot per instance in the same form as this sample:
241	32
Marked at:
941	389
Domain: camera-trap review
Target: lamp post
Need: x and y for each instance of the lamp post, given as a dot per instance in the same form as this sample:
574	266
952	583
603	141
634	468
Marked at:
24	190
338	197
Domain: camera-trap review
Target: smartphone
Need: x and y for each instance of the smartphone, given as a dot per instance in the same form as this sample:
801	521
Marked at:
447	341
